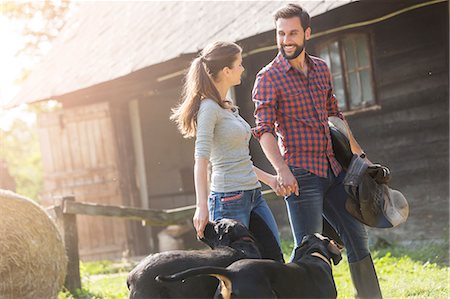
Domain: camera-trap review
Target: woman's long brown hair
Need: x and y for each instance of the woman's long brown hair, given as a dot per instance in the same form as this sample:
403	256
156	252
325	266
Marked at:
199	84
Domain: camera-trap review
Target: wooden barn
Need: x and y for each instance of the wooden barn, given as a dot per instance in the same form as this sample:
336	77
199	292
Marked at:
117	70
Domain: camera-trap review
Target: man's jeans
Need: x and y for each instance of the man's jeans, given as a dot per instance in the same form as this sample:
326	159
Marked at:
325	195
238	205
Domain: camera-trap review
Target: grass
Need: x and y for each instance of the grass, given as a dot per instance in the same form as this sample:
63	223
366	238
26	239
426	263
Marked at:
403	273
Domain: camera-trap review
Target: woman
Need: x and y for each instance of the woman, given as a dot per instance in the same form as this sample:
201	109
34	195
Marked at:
222	138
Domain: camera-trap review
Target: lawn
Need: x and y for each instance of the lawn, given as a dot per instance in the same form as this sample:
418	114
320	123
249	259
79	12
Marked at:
403	273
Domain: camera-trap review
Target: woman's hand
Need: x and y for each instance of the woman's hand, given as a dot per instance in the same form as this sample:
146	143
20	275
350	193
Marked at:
272	182
287	183
201	218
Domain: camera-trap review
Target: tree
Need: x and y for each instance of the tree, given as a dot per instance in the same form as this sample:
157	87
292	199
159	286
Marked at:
19	149
41	22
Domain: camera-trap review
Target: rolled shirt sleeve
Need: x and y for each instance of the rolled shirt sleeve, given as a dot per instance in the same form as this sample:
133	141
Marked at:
264	97
206	121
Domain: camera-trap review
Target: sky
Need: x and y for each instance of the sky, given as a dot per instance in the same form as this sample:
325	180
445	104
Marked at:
11	69
11	65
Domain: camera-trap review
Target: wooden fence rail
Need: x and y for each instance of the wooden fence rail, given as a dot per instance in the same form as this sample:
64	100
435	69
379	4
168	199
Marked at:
65	211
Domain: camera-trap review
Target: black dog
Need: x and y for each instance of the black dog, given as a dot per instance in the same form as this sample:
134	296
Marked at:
309	276
230	241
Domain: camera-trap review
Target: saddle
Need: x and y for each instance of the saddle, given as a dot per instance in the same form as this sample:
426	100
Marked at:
371	200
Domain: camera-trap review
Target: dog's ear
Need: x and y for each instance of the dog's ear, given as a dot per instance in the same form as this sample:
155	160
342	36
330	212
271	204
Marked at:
209	228
301	250
335	252
209	237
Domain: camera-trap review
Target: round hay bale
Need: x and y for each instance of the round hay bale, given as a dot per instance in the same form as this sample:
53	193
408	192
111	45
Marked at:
32	256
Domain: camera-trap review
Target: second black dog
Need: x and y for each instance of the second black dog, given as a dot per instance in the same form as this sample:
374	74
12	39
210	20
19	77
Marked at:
309	276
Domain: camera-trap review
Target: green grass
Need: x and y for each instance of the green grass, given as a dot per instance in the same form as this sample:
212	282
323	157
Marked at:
403	273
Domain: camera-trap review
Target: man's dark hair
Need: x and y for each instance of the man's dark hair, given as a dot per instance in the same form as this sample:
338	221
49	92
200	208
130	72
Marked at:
293	10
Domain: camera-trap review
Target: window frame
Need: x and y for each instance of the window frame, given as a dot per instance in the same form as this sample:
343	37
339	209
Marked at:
326	43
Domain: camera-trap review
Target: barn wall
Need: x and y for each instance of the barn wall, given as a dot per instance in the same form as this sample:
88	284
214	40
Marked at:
169	158
410	133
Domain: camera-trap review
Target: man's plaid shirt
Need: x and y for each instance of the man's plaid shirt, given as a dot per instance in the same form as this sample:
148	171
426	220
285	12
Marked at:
296	108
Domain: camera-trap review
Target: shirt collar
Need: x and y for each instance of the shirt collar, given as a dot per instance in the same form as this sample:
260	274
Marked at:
285	66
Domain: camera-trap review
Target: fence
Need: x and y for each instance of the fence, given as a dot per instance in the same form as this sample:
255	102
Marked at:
65	213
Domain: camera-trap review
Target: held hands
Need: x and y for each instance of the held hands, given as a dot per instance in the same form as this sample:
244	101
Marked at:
200	219
286	183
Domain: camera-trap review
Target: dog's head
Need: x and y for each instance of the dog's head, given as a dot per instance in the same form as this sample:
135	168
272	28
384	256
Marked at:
224	232
318	243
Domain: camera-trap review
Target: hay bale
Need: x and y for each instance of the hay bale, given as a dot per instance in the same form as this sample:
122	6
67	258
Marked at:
32	255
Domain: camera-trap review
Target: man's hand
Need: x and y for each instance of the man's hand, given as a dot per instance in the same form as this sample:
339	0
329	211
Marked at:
287	183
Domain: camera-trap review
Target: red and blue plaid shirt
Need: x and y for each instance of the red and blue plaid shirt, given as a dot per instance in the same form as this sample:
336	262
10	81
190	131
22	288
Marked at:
296	108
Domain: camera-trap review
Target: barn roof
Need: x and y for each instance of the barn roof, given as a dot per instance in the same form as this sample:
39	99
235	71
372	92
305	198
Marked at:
108	40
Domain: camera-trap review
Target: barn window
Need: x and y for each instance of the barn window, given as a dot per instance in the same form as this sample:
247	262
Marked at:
350	64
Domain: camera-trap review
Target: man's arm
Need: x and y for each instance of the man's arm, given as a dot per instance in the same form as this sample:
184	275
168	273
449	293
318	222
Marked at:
354	145
356	148
265	99
286	180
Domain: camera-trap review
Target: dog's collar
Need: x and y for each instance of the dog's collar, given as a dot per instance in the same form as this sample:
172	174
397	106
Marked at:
322	257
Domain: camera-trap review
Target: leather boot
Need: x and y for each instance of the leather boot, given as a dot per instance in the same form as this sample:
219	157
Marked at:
365	279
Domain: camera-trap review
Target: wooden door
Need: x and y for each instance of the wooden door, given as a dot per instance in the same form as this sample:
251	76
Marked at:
79	153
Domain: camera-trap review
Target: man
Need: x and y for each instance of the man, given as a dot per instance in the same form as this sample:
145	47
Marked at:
294	98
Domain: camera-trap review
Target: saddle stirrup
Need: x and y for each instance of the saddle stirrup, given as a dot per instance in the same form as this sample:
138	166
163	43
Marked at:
365	280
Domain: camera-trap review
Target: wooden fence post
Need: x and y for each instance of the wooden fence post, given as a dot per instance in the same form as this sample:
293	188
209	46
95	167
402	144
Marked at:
68	225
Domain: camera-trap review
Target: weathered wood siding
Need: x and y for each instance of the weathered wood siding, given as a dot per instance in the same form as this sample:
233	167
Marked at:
410	133
80	153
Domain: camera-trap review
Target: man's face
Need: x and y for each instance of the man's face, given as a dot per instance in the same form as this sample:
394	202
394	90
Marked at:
291	37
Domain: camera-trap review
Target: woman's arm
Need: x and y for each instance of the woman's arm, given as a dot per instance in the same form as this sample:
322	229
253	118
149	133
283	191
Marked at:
201	214
206	122
268	179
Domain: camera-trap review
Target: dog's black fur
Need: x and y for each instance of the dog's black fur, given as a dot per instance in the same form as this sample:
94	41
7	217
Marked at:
309	276
230	241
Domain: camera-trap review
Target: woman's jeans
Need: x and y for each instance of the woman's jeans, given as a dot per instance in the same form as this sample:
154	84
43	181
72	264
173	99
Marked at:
325	196
237	205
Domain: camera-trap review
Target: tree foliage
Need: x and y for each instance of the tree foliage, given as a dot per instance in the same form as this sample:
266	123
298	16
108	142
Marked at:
19	147
41	22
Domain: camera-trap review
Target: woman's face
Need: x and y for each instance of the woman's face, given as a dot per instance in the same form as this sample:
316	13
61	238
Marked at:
236	70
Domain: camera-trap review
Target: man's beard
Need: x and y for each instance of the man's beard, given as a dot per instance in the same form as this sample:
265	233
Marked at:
297	52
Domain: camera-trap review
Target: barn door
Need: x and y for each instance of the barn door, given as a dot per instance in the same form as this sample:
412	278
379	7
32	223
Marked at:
79	154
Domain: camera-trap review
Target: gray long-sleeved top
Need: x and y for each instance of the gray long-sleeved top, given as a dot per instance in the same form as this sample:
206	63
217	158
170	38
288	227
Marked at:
223	138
